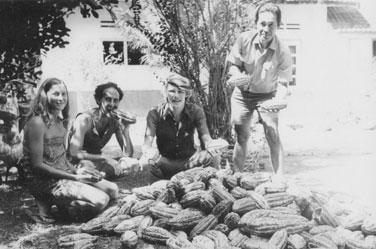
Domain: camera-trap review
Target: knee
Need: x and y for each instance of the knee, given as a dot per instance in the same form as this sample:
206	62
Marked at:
101	202
112	190
271	132
242	135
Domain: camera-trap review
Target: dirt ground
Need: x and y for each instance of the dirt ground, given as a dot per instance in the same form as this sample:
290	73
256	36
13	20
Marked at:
341	160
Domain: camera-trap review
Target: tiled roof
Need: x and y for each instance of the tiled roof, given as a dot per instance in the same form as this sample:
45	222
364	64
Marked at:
346	17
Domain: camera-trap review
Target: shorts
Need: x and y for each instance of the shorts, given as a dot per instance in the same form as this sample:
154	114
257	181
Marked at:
57	192
244	103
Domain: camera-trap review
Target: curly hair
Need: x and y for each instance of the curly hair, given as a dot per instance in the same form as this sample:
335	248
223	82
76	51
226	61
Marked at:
269	7
40	104
99	91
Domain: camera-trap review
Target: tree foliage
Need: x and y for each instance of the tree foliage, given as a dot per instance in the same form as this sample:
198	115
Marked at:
31	28
193	39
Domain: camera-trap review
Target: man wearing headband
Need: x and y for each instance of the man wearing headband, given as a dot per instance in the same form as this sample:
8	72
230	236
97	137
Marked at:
93	129
173	123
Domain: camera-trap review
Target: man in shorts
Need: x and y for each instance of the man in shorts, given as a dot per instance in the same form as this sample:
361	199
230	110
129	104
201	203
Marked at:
260	69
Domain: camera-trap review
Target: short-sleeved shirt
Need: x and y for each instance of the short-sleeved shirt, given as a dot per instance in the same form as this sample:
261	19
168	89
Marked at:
175	140
266	67
93	140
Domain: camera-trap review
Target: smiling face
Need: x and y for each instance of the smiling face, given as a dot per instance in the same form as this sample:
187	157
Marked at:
175	95
266	27
110	100
57	97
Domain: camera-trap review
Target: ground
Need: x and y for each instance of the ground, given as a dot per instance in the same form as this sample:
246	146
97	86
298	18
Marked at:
342	160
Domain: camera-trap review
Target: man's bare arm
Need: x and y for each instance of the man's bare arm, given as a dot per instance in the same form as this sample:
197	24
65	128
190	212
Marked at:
81	126
124	140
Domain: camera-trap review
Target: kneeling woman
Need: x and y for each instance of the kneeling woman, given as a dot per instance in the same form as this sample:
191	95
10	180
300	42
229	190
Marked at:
51	179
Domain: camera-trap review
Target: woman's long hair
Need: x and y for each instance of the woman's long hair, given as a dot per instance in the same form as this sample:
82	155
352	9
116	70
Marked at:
40	104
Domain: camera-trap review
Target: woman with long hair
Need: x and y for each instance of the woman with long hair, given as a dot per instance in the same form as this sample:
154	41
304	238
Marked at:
51	179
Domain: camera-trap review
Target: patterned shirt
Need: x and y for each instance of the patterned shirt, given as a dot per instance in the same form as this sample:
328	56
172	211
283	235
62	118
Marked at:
175	140
266	67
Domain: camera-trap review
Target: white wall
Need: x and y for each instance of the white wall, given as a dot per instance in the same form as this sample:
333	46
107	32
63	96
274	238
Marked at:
81	65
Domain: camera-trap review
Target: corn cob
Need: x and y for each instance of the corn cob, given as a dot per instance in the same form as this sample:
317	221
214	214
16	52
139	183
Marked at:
296	241
266	222
244	205
186	219
125	207
318	241
286	210
160	212
223	228
156	235
95	225
179	234
193	186
220	240
129	240
206	223
370	241
278	239
237	238
220	193
167	196
255	243
324	216
239	193
130	224
144	193
76	237
239	80
271	187
114	221
141	208
222	209
178	243
231	220
147	221
320	229
163	223
230	181
279	199
191	199
250	181
205	174
202	242
353	222
259	199
369	226
110	212
207	202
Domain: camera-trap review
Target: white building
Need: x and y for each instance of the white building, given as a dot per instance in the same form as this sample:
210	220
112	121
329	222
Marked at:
332	45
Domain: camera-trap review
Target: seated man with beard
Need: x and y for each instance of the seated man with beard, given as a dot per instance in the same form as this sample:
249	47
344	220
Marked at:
93	129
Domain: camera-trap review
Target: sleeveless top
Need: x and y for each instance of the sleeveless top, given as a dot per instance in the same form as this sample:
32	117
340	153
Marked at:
54	151
94	141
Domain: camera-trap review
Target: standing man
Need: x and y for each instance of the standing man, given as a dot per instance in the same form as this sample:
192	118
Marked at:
260	69
173	123
93	129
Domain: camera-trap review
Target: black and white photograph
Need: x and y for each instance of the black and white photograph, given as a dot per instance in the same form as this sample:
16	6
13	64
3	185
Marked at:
188	124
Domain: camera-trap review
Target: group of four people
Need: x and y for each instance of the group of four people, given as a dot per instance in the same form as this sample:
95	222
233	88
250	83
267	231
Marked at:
74	178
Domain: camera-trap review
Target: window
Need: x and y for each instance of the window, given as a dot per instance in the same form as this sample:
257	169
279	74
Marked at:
293	56
374	48
134	55
113	52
